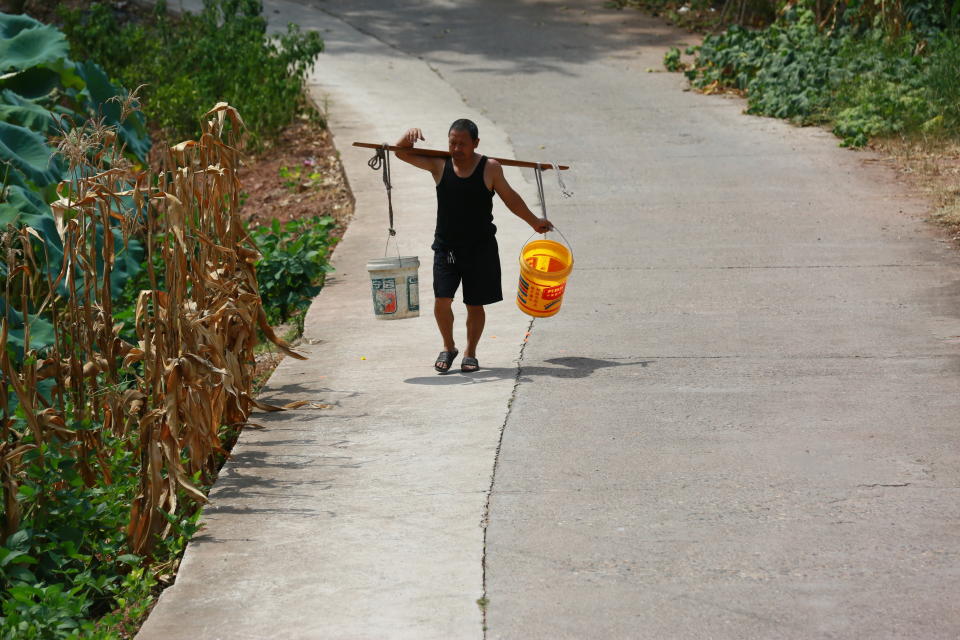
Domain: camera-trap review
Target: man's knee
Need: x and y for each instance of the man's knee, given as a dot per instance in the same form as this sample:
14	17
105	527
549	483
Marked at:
474	309
443	303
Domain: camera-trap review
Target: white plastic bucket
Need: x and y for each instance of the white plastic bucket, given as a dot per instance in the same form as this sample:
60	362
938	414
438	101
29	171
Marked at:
395	287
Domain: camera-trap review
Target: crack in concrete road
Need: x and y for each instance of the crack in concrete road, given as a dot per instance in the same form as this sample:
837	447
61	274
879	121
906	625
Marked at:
485	521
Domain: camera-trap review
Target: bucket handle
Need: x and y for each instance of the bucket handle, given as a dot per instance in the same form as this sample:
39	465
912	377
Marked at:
565	241
396	244
538	174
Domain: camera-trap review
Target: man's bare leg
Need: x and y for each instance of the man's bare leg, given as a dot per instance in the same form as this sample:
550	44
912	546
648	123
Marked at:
443	313
476	319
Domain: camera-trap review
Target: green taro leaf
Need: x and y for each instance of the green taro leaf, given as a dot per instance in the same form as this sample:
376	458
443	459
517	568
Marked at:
10	176
25	113
29	152
20	202
33	83
26	43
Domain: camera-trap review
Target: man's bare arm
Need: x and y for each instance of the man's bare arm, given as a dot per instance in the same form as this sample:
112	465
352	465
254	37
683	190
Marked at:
408	139
514	202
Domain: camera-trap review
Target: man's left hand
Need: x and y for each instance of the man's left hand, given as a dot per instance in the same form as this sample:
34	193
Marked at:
542	225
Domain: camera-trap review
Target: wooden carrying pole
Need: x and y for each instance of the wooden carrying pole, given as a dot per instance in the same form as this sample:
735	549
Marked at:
446	154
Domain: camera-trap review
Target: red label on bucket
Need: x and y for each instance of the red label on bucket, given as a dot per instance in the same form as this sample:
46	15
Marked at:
384	295
552	293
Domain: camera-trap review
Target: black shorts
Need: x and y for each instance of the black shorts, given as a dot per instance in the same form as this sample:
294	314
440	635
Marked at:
477	267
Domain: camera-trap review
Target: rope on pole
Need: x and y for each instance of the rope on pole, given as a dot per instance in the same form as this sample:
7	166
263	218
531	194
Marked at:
381	160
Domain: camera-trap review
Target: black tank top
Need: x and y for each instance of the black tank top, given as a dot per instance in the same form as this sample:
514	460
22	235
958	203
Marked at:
464	209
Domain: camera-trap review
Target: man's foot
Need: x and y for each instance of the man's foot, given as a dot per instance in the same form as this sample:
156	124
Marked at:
444	360
469	365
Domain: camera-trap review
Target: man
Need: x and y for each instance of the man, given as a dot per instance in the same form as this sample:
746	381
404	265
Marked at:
464	244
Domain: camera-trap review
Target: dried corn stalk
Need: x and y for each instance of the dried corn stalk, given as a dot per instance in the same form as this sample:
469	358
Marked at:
191	371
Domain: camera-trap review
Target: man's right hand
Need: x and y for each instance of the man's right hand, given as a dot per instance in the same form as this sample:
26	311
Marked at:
409	155
410	138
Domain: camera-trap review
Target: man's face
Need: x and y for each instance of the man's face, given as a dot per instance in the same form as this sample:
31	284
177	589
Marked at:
461	144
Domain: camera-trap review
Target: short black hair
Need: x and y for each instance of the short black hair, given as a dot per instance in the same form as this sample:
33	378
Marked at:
465	125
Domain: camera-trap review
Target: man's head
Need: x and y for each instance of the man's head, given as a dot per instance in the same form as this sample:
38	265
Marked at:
463	139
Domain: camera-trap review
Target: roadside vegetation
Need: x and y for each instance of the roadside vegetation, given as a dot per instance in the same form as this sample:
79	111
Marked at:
882	75
866	70
134	294
188	62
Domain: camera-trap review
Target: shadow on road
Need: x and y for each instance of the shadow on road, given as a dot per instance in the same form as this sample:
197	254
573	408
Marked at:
528	36
568	367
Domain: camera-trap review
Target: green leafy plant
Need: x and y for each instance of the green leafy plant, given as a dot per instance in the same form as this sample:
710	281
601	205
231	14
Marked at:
300	178
671	60
189	62
294	264
864	81
68	561
942	80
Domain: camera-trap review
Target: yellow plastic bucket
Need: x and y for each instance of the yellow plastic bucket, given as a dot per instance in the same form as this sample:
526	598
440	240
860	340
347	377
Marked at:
545	266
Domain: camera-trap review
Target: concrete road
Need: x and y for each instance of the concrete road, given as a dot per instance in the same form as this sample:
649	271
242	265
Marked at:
742	424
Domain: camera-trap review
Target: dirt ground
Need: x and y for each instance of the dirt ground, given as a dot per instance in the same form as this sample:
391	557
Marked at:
298	177
931	169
